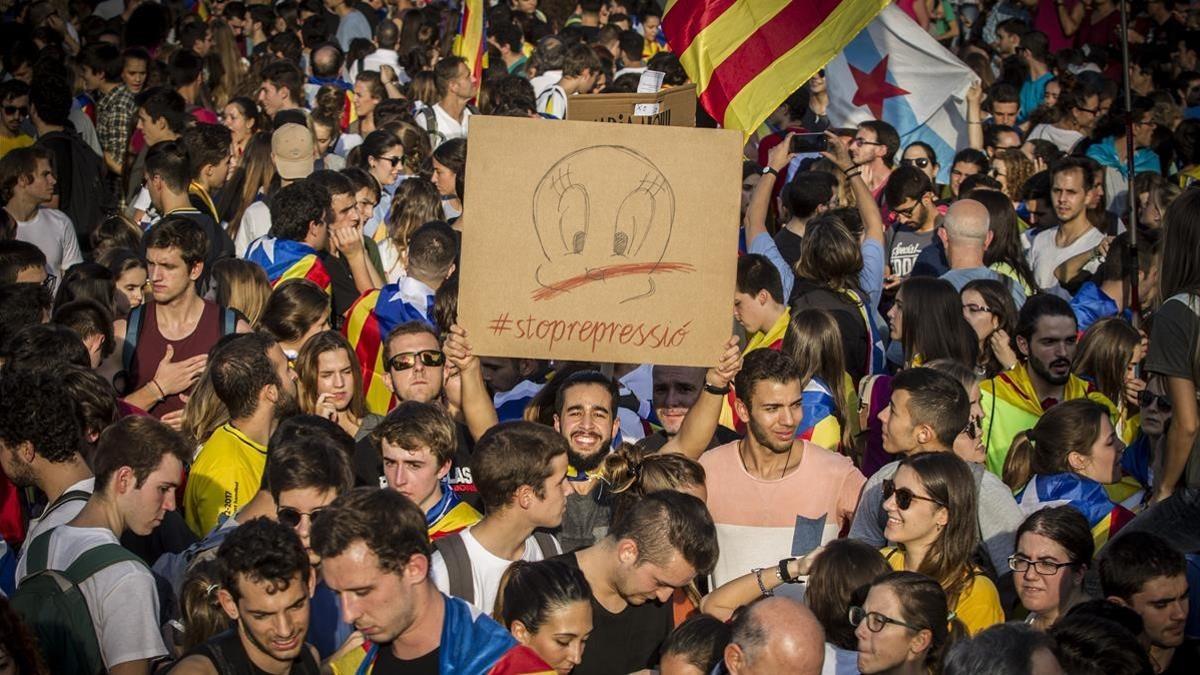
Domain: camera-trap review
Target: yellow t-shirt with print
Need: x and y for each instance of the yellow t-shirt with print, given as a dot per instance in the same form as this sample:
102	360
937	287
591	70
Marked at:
10	143
978	607
226	474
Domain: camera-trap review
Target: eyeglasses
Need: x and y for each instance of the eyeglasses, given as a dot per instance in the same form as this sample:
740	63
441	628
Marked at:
290	517
904	496
821	73
919	162
976	309
22	110
1146	398
1045	568
875	621
393	160
49	282
430	358
863	141
995	173
971	430
907	213
1094	111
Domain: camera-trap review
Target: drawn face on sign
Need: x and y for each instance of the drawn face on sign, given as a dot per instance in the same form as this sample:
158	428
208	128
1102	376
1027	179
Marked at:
604	213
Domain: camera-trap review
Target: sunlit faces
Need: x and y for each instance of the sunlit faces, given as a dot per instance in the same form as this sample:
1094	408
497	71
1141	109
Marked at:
865	147
272	98
899	434
444	179
323	137
421	382
561	637
387	166
959	172
146	505
297	509
155	130
773	412
1005	113
547	508
641	581
1041	593
1103	464
415	473
588	422
272	615
345	211
335	378
379	603
751	311
893	646
674	392
922	522
1163	605
169	275
366	200
40	186
1051	348
364	100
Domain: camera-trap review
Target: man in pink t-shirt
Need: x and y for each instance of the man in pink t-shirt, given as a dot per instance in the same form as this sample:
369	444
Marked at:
771	495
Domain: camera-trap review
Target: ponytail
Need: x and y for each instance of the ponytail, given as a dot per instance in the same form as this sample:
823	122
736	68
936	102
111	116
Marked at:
1018	465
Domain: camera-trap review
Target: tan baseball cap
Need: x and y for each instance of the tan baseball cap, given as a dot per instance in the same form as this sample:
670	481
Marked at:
293	151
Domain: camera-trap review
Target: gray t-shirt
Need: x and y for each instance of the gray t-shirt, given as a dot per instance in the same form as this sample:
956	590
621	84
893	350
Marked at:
353	25
1172	352
903	245
999	515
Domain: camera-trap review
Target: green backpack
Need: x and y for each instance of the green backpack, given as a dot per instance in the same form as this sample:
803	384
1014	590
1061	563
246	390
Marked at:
52	605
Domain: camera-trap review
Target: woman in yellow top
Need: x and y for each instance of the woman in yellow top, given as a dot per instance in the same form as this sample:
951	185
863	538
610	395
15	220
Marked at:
931	518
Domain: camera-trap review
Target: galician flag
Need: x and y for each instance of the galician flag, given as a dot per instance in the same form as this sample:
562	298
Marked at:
896	72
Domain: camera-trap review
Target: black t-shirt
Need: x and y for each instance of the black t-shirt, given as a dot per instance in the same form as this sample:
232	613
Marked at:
1172	348
388	664
788	243
368	466
624	642
1186	660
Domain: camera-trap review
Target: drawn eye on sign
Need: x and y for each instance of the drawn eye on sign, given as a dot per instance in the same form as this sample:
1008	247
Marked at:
619	234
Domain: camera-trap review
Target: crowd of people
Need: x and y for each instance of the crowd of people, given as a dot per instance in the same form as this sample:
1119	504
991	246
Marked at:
954	428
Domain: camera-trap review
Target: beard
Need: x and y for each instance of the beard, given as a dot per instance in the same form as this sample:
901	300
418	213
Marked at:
584	463
262	643
287	406
766	439
1043	370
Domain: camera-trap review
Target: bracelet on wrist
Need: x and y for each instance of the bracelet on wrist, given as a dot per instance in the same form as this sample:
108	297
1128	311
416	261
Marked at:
761	586
162	393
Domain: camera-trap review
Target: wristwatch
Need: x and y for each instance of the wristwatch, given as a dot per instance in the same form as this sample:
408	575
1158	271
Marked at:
768	170
719	391
783	572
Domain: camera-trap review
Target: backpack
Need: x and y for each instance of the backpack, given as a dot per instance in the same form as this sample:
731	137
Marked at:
436	137
52	605
133	331
86	200
458	561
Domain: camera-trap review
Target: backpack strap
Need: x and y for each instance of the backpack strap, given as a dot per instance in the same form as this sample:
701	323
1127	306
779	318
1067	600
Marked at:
458	566
38	554
229	321
547	544
133	328
66	498
96	559
431	125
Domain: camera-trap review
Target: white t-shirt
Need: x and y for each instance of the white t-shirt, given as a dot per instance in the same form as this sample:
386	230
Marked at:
389	255
545	81
553	102
256	222
447	126
60	516
52	231
121	598
1065	139
1045	255
486	569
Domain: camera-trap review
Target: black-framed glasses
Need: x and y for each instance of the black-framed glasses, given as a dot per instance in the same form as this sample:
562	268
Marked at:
1147	397
393	160
23	110
1094	111
919	162
907	213
289	517
1046	568
904	496
863	141
430	358
875	621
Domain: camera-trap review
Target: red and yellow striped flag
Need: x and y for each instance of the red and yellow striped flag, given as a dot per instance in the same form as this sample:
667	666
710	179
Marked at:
471	41
747	56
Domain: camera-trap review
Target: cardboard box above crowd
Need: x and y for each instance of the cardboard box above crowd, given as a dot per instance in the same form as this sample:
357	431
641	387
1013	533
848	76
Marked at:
600	242
673	106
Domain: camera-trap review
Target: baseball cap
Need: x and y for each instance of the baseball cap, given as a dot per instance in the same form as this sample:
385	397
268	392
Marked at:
293	152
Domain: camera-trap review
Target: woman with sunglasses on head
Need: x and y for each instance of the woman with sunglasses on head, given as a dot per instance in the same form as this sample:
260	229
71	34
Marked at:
329	380
903	626
1054	550
1070	455
932	519
988	308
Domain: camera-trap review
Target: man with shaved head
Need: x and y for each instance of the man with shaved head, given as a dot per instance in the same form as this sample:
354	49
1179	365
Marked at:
965	234
775	635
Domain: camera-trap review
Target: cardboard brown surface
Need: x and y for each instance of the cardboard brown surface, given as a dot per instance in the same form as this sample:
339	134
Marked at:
676	107
599	242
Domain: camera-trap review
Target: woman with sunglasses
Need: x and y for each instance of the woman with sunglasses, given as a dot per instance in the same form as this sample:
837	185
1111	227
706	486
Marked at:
932	518
1069	456
903	626
988	308
920	154
330	384
1139	457
1054	550
382	155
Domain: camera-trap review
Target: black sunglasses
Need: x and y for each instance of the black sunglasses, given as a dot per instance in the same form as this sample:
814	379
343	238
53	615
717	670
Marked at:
393	160
904	496
23	110
290	517
430	358
1147	397
919	162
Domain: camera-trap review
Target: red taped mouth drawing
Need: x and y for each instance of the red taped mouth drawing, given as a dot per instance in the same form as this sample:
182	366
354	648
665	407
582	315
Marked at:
608	272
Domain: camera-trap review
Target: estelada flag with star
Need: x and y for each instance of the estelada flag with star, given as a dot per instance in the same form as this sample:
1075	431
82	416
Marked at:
896	72
747	56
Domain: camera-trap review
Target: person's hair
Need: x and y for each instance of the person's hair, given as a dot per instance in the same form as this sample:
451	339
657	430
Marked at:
242	286
814	342
1006	235
1104	353
1066	526
39	345
412	327
13	89
294	306
262	550
445	72
293	207
906	182
1000	301
972	156
361	179
829	255
204	412
756	273
991	135
103	58
51	99
765	365
415	203
841	569
1135	558
255	175
1179	268
578	58
700	640
21	305
511	455
376	144
1002	649
16	256
87	281
948	480
445	304
1038	307
1037	44
95	399
935	399
17	164
412	425
932	325
632	473
452	154
530	592
184	68
139	443
86	317
115	232
1018	169
170	161
307	367
39	410
180	232
226	72
807	191
165	104
1081	164
1094	644
207	145
1070	426
432	249
200	610
417	148
240	370
924	605
318	459
120	260
333	182
283	74
390	525
667	522
885	135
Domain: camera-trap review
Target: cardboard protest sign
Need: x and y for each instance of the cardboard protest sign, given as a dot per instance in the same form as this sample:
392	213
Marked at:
599	242
675	106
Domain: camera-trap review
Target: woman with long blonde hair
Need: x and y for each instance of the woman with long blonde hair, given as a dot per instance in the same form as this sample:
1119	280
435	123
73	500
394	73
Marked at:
330	384
243	286
415	203
257	176
232	66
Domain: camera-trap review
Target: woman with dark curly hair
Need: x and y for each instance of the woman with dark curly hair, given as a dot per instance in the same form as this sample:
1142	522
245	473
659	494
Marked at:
18	653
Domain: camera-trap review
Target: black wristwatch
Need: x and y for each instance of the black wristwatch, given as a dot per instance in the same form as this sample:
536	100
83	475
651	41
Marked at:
783	572
719	391
768	170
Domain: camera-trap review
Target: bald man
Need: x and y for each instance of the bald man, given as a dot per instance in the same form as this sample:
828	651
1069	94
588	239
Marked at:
965	235
775	635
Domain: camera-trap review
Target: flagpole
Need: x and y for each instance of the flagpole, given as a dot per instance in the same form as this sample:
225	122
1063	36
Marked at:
1131	194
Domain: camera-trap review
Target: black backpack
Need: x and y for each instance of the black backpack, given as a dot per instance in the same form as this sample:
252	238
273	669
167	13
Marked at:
82	194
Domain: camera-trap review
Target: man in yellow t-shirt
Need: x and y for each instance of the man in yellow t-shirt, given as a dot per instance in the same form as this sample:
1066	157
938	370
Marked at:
14	109
250	375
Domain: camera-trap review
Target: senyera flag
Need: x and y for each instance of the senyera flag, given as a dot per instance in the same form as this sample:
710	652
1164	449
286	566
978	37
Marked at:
471	41
747	56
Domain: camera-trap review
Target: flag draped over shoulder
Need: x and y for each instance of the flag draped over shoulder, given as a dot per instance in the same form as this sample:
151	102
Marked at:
747	56
287	259
1089	497
368	322
471	41
896	72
